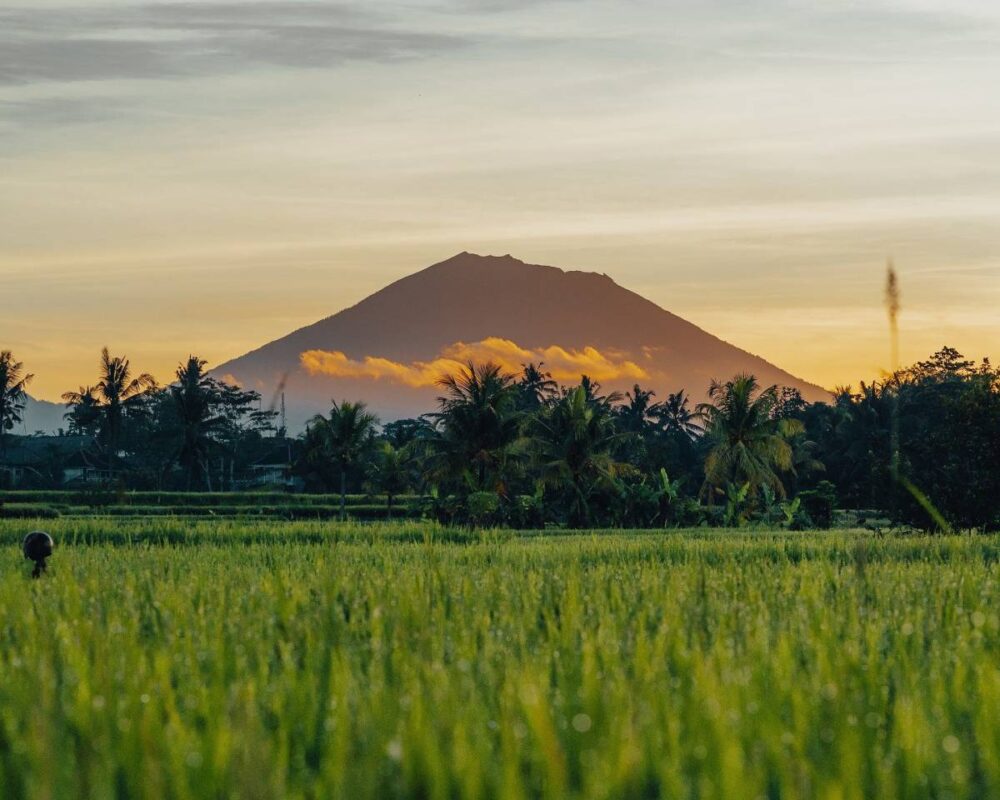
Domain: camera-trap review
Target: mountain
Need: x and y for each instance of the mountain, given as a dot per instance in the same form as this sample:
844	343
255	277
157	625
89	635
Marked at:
389	348
40	415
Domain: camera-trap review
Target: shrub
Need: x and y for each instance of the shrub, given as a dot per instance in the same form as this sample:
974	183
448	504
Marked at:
818	504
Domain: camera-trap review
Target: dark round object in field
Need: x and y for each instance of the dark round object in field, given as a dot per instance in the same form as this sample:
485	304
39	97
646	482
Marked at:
38	547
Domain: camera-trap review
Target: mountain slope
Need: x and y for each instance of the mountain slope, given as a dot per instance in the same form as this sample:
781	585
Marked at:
470	298
40	415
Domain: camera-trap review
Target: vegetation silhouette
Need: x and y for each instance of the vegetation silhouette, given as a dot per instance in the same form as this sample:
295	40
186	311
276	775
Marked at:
916	448
13	381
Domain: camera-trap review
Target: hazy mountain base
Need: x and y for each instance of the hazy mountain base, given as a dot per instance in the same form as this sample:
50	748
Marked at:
41	415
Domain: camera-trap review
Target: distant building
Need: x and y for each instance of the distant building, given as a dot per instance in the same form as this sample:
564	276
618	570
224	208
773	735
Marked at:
48	459
274	468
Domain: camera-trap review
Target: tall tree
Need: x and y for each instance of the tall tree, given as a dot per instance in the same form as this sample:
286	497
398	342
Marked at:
535	387
345	436
748	445
592	393
391	472
195	399
84	414
118	394
573	442
242	421
675	416
635	414
676	443
475	429
13	381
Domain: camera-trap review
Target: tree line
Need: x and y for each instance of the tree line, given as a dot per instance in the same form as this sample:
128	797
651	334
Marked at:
193	434
916	448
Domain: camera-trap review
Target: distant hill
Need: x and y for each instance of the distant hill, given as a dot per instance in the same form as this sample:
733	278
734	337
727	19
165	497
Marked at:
388	348
41	415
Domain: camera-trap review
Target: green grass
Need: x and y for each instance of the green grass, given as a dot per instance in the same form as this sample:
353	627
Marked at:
185	658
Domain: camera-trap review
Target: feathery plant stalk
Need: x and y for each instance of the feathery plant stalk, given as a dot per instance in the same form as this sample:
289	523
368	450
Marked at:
893	306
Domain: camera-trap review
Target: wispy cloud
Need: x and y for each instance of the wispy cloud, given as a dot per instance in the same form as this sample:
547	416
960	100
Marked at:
164	40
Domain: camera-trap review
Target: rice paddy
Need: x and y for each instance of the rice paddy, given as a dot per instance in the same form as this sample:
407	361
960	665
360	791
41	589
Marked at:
183	658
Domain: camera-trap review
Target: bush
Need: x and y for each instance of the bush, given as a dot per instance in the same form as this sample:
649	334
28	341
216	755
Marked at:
483	507
527	511
818	504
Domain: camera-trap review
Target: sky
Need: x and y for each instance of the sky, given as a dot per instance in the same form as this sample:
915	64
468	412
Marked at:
204	177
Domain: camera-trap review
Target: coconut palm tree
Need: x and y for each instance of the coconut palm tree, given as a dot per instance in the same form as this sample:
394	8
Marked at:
675	416
474	433
747	444
195	398
592	393
391	473
84	414
634	415
536	388
574	442
13	381
345	436
117	395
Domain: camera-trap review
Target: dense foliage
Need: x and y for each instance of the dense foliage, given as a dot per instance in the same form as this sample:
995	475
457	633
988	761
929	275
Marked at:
317	660
917	448
13	381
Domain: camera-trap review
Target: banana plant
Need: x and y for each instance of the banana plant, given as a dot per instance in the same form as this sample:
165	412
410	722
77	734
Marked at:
736	504
790	510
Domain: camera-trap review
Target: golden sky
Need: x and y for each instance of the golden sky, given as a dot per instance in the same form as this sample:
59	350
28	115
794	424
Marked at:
205	177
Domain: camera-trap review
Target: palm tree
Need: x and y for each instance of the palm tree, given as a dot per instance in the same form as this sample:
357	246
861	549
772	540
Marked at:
13	381
574	441
195	398
537	389
474	433
592	393
747	444
346	435
675	416
391	473
117	394
84	412
634	415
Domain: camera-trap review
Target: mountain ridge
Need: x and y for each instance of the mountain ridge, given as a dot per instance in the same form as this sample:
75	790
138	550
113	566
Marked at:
469	298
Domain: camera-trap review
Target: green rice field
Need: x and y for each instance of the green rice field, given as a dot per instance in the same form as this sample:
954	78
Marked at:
199	658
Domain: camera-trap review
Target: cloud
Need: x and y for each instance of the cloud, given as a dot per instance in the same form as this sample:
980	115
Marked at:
165	40
565	364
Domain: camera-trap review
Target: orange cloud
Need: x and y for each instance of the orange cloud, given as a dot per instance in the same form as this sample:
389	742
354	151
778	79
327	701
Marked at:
565	364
